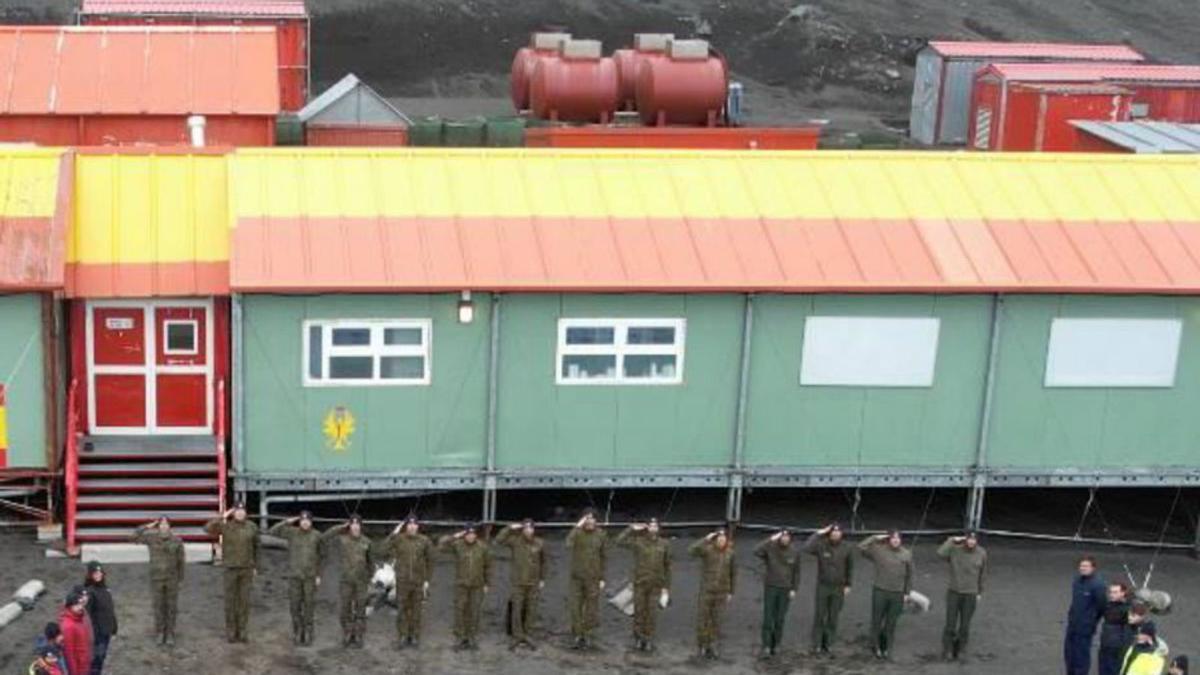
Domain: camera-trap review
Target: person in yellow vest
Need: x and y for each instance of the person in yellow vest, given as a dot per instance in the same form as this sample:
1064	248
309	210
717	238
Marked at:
1144	657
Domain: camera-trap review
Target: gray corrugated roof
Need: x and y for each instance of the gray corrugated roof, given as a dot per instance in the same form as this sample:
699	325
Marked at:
337	92
1146	137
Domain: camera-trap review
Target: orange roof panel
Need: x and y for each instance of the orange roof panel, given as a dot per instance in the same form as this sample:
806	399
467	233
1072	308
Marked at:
88	70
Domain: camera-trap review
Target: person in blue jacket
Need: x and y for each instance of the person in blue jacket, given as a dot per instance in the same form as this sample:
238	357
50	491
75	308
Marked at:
1088	600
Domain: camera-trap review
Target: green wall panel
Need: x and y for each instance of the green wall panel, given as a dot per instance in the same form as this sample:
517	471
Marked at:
22	369
1039	427
396	428
545	425
789	424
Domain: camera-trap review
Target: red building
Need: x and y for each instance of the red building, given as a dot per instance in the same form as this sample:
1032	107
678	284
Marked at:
1038	117
289	19
124	86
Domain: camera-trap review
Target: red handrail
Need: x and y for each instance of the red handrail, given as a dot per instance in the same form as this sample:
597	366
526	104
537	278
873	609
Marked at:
71	460
222	470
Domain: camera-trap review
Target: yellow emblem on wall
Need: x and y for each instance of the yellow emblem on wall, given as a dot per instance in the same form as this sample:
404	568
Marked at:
338	428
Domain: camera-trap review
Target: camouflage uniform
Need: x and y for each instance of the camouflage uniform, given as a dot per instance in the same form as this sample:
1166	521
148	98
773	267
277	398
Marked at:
354	553
472	573
412	556
167	560
239	543
589	556
835	573
717	578
651	576
528	574
304	555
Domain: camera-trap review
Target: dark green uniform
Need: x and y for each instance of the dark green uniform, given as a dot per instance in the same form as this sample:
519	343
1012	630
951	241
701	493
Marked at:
781	578
968	567
835	573
472	574
167	558
893	581
589	557
717	577
357	567
239	543
304	568
651	576
528	575
412	557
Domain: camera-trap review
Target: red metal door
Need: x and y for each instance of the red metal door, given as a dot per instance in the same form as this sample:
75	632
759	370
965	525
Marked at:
181	367
118	345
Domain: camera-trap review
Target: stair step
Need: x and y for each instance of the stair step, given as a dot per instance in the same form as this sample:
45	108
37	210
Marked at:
103	501
125	484
137	456
148	468
152	446
138	517
102	534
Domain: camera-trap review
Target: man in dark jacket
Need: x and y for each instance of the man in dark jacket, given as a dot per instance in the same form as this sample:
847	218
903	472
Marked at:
102	613
781	579
304	572
835	572
968	569
1115	633
239	544
1088	599
167	560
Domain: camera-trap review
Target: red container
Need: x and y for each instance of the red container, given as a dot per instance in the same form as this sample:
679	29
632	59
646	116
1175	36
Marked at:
672	90
292	35
645	46
575	90
355	135
1038	116
540	45
700	138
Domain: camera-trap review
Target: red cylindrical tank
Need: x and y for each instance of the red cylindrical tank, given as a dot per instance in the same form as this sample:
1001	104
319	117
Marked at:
645	46
574	88
687	86
540	45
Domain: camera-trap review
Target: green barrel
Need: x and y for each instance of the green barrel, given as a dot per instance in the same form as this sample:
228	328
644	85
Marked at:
505	132
426	132
289	130
466	133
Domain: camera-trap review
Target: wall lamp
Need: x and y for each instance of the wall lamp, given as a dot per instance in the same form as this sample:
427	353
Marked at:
466	308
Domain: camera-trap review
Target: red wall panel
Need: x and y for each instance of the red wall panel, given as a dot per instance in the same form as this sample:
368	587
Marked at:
226	130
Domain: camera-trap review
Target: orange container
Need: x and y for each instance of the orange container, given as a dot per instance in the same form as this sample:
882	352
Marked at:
355	135
541	45
674	90
702	138
575	90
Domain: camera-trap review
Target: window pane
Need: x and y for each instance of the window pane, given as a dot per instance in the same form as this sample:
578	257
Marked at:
644	335
857	351
351	336
589	366
181	337
314	352
650	366
401	336
589	335
402	367
1113	352
350	367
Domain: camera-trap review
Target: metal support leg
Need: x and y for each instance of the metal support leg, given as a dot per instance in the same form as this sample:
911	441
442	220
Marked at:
1196	542
733	505
489	499
263	514
973	518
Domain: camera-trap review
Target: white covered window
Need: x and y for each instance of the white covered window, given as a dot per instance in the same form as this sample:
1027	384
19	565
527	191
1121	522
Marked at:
1113	352
620	351
379	352
859	351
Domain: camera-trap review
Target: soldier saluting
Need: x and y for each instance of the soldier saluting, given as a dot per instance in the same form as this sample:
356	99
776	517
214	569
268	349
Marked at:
528	579
354	554
411	554
835	572
239	544
587	545
651	577
167	558
717	576
304	575
472	577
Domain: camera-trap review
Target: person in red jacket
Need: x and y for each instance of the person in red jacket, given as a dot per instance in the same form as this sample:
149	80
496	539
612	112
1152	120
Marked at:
77	632
46	662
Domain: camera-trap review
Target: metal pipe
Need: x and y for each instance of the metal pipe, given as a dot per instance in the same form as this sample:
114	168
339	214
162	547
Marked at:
239	383
1085	540
489	480
974	515
739	439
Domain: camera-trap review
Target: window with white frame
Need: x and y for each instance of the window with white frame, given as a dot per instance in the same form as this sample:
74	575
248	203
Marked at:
375	352
620	351
1113	352
863	351
181	337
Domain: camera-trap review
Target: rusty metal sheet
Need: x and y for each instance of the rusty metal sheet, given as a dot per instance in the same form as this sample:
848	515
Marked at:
255	8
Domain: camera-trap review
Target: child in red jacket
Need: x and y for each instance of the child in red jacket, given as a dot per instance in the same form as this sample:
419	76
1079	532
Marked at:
46	662
77	632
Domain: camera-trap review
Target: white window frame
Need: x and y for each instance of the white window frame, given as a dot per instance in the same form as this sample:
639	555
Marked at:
620	349
1061	332
194	351
375	350
814	365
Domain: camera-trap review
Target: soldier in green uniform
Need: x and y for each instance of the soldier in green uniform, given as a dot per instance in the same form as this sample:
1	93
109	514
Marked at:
304	576
835	573
167	560
411	554
651	577
528	579
718	574
893	581
239	543
354	553
472	577
781	579
968	567
587	546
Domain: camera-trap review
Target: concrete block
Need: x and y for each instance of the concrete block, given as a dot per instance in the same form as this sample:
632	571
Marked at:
118	554
688	50
548	41
49	532
652	42
587	50
55	553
